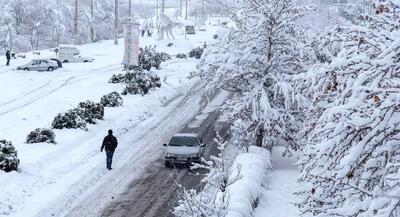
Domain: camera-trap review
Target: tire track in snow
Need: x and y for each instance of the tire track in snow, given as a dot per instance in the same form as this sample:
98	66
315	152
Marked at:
36	98
25	94
42	95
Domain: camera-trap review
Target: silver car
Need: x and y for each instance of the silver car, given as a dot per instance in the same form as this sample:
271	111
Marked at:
39	65
184	148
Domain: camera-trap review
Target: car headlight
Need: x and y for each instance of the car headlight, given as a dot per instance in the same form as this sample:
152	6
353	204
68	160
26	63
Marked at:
195	155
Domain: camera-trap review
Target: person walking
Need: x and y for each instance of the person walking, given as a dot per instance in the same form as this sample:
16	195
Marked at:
8	56
110	143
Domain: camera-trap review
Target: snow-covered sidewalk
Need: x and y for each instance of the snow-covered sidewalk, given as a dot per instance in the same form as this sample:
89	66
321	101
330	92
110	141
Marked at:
278	198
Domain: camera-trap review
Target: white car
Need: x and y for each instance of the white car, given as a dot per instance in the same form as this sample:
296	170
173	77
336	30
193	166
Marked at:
39	65
184	148
70	54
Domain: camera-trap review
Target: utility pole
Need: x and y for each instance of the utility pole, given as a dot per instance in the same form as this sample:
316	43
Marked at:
186	11
76	40
116	22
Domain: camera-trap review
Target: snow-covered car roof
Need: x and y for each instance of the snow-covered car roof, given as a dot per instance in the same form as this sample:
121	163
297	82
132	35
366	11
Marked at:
186	135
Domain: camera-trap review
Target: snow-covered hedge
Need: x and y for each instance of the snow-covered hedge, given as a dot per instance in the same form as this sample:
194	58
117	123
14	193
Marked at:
196	52
8	156
247	174
40	135
149	58
91	111
112	99
232	187
69	120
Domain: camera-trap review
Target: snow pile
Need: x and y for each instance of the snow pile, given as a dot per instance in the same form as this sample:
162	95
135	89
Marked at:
247	174
8	156
112	99
41	135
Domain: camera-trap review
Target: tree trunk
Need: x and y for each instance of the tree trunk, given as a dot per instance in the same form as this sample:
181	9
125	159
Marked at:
116	22
163	6
180	8
92	35
76	40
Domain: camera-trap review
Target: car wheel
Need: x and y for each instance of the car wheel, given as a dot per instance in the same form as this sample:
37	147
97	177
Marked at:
65	61
26	69
50	69
85	61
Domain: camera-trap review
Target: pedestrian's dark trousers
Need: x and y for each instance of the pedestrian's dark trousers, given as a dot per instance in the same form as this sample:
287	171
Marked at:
8	62
109	154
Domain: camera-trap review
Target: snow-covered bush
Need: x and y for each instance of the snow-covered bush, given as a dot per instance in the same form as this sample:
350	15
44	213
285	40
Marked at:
196	52
181	56
142	83
117	78
149	58
8	156
137	81
112	99
90	111
69	120
212	199
40	135
350	164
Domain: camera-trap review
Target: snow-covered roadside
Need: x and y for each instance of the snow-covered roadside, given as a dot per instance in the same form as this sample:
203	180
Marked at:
278	198
32	99
247	175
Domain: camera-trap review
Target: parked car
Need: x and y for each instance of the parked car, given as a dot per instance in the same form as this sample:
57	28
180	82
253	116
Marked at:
184	148
39	65
70	54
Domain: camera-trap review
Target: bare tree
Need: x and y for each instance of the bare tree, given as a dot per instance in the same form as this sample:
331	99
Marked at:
76	23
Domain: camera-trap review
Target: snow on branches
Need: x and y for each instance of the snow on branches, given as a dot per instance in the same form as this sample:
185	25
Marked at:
255	62
351	160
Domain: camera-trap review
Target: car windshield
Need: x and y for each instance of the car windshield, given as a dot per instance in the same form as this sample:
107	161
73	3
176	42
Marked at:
184	141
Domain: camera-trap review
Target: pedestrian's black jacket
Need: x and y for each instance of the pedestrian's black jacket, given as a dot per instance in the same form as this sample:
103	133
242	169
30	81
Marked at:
8	55
109	143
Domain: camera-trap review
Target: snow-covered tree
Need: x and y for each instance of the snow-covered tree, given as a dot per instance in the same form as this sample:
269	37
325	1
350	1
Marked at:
351	161
256	61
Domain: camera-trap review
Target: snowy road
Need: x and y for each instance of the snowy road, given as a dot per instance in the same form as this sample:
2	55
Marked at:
148	188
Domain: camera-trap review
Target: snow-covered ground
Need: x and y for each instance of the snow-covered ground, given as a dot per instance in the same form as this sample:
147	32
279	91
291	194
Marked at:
30	100
278	198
